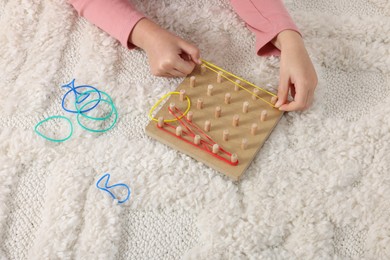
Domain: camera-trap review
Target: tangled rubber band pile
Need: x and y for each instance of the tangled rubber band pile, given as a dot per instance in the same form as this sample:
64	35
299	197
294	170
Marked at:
82	105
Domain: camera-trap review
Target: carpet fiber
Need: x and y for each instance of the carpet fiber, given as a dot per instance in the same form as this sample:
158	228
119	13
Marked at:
318	189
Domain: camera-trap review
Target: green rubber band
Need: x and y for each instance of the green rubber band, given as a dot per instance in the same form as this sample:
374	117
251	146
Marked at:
52	139
109	101
114	111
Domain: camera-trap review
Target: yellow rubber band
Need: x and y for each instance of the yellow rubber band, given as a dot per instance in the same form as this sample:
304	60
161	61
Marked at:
159	102
214	68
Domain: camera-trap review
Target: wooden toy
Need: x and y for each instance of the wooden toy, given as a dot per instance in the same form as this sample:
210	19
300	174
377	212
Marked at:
207	125
236	120
244	143
190	115
245	107
237	85
199	105
210	90
228	121
182	94
217	112
226	135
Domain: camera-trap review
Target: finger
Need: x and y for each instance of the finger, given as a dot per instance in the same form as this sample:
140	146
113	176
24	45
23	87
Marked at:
176	73
283	88
164	75
185	67
191	50
185	56
167	75
292	91
299	103
310	98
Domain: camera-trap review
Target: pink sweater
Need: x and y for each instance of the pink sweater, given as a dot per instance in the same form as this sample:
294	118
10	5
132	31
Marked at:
266	18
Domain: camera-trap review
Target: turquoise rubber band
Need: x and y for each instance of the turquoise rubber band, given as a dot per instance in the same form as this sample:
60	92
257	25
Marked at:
52	139
97	118
82	111
114	111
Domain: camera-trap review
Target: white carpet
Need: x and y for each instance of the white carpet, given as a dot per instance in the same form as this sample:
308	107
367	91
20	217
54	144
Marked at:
319	188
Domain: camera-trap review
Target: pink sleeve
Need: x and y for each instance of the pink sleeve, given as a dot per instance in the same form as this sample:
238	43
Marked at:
266	18
116	17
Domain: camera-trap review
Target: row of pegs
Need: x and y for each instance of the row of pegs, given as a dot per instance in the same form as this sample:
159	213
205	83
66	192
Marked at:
207	126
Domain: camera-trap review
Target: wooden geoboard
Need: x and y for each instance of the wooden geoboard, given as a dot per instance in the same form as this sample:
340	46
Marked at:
238	144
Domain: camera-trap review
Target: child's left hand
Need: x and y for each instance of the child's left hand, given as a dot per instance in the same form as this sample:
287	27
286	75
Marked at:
297	73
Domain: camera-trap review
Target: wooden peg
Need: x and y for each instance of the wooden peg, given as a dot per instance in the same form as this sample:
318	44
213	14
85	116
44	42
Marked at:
215	148
263	116
207	125
199	104
197	139
203	69
273	100
236	87
244	144
172	107
182	95
160	122
219	77
245	106
179	131
234	158
228	98
255	93
190	114
236	120
192	81
217	112
225	135
254	129
210	90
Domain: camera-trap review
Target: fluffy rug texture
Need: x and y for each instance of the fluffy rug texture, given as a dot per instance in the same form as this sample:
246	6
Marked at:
319	188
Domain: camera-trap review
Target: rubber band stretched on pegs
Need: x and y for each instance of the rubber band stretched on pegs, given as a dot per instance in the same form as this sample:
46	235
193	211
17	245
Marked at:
52	139
106	188
237	77
215	69
77	95
206	146
159	102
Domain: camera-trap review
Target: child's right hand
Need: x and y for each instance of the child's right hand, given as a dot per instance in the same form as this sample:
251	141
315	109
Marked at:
168	55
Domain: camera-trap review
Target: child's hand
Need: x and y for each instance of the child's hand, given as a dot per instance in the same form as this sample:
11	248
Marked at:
297	74
169	55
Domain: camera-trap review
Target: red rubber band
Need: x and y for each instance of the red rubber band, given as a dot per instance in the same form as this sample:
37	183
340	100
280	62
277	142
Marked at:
204	145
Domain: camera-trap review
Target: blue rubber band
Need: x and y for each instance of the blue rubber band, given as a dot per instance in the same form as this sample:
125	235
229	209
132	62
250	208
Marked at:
52	139
91	91
106	188
77	94
73	88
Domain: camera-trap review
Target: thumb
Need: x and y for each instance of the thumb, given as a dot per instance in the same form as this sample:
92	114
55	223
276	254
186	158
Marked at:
192	51
283	88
